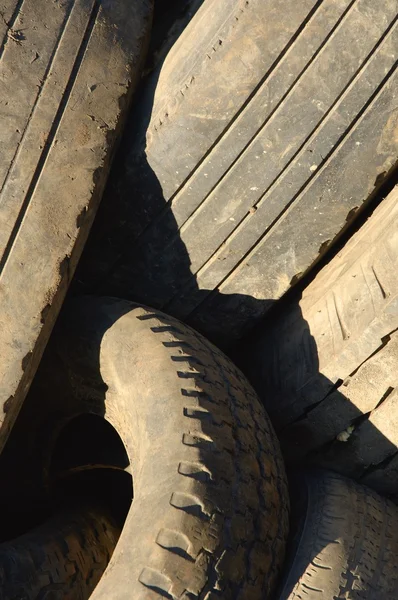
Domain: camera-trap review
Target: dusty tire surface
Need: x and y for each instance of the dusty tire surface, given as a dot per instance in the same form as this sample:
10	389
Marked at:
327	365
254	143
59	560
345	542
209	517
68	71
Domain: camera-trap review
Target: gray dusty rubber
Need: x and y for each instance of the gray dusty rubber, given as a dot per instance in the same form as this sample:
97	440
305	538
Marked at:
327	367
62	559
345	543
68	70
209	517
262	137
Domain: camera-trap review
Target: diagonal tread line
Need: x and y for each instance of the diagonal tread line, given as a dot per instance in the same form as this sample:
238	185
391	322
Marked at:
311	134
10	25
263	125
319	50
300	191
53	131
256	89
252	95
291	161
39	95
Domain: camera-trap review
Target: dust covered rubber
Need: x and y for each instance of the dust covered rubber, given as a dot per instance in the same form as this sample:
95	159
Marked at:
327	366
209	516
253	146
68	70
344	544
64	558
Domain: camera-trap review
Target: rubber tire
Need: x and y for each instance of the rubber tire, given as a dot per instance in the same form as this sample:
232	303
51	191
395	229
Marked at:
345	543
209	517
253	144
329	360
68	72
62	559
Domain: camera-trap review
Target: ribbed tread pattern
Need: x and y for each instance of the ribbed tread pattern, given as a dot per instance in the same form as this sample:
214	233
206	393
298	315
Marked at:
261	184
329	362
345	544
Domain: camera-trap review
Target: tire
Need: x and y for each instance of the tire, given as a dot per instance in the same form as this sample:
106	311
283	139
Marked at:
68	71
329	361
62	559
209	517
260	137
345	542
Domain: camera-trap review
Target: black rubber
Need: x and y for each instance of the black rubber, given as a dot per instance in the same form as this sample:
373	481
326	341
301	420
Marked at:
253	145
209	517
345	541
62	559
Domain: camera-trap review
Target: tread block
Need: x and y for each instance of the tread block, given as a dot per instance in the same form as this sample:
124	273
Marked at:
189	503
176	542
156	581
197	471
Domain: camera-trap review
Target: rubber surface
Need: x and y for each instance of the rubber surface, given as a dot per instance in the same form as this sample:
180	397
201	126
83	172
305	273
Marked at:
327	367
252	146
63	559
68	70
209	517
346	542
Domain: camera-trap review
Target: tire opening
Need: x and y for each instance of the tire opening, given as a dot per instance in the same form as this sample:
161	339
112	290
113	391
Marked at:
89	462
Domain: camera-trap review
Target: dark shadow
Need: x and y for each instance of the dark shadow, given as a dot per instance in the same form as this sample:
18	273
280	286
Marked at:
114	256
315	420
135	251
121	260
53	400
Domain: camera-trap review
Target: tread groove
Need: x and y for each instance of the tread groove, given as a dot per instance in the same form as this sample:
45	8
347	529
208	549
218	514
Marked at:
51	136
275	109
243	259
38	97
302	26
10	24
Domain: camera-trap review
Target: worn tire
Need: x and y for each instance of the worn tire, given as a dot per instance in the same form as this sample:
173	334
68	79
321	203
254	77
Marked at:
67	73
254	143
345	543
62	559
210	511
329	360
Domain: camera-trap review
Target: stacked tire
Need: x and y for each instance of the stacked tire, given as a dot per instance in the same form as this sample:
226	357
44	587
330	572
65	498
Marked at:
244	171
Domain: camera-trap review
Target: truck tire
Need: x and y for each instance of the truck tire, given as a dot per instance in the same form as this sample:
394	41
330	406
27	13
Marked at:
345	541
209	516
328	362
62	559
253	145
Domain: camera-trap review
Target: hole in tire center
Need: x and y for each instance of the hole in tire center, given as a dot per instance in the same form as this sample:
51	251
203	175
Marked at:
89	462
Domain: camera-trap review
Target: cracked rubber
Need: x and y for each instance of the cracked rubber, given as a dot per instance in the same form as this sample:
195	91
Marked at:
345	541
327	365
210	511
266	135
60	560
